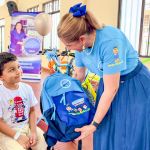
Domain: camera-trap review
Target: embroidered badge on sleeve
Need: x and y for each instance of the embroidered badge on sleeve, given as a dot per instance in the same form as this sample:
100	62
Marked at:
116	58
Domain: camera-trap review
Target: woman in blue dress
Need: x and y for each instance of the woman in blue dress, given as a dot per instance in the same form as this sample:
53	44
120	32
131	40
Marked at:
122	118
17	36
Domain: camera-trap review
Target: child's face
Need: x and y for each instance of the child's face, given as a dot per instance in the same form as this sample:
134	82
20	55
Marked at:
11	73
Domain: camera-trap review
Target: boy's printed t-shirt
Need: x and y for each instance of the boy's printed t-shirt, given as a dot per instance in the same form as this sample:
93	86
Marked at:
15	104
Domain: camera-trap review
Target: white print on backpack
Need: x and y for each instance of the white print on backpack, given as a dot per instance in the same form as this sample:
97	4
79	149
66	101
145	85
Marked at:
79	107
65	83
78	102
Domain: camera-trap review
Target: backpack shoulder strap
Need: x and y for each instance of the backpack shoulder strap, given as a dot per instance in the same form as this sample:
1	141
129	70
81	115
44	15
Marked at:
49	99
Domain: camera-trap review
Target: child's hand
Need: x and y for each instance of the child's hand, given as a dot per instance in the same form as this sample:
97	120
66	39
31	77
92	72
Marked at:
33	139
24	141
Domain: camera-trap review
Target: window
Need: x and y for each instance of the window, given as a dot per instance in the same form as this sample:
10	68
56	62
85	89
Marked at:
2	26
2	2
145	40
130	20
33	9
135	23
52	8
146	20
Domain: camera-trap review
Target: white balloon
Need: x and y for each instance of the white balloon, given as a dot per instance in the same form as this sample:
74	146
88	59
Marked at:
43	23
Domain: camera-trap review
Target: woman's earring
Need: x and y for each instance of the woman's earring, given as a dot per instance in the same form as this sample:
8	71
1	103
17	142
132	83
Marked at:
83	47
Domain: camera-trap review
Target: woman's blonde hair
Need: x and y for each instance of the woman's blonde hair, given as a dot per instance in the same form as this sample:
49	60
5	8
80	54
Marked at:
71	28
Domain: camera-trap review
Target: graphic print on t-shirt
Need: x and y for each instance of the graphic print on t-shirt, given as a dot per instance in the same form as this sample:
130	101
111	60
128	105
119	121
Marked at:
116	55
17	109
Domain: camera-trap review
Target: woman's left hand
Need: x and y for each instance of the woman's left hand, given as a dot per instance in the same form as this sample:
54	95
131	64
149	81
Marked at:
85	131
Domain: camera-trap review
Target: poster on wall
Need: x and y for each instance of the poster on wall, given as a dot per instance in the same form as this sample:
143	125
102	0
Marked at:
26	44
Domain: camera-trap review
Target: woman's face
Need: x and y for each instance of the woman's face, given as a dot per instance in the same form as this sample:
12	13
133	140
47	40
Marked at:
19	26
75	45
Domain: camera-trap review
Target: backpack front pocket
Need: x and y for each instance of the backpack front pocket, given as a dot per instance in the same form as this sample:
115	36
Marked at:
74	108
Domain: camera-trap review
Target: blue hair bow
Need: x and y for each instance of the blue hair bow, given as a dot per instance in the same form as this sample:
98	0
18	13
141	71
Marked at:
78	10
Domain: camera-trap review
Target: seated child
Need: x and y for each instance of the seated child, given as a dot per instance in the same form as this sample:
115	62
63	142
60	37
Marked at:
18	129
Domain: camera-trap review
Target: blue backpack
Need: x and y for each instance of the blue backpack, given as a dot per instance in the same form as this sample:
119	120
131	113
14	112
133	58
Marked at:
65	107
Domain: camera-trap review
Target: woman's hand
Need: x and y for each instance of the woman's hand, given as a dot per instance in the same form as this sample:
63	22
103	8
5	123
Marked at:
33	139
85	131
20	43
79	73
24	141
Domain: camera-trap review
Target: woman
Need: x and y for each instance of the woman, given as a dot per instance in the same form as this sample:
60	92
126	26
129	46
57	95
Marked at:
122	119
17	36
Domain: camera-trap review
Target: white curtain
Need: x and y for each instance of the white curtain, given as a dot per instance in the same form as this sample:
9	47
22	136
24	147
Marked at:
130	20
52	40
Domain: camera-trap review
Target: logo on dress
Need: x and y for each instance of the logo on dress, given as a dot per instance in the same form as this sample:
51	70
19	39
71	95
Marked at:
65	83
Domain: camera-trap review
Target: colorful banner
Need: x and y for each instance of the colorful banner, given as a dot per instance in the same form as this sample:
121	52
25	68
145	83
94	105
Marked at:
26	44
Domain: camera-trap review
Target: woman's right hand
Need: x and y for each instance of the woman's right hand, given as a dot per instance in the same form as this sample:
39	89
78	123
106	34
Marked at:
24	141
20	43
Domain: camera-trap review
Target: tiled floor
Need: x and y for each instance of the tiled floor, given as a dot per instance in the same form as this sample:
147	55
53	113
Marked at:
87	143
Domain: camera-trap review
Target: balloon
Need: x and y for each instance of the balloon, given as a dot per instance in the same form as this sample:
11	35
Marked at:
43	23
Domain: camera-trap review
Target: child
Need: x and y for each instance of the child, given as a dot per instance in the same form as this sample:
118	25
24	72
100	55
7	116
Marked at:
18	129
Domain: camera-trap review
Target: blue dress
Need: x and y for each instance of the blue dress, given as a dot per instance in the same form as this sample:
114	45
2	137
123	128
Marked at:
126	126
